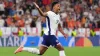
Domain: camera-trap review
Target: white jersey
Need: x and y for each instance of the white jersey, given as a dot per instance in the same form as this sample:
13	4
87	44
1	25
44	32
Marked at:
52	21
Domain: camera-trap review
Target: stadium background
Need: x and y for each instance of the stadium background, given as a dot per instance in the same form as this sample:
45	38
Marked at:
20	20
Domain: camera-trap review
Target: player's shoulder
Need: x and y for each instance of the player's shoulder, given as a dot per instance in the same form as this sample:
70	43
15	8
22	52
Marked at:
50	12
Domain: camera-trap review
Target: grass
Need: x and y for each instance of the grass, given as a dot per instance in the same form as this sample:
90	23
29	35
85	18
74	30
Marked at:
74	51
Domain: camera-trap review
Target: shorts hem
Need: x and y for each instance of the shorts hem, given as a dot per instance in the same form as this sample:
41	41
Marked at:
44	45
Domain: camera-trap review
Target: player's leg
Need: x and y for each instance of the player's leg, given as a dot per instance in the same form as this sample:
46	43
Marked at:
60	49
32	50
45	44
40	51
43	47
28	49
58	46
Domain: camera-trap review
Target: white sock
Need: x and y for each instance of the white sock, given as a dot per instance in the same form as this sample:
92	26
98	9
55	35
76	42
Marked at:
32	50
62	53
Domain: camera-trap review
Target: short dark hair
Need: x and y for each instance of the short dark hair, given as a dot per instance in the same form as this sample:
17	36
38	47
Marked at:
54	3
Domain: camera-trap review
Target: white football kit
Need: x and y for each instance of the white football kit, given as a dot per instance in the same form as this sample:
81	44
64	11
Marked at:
52	21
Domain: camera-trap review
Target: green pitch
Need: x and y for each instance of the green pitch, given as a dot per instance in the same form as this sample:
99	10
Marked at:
75	51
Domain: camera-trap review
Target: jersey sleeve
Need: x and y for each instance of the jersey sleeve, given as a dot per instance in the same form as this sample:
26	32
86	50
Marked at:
60	20
49	13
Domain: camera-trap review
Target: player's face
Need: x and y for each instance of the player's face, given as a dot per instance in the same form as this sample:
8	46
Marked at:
57	8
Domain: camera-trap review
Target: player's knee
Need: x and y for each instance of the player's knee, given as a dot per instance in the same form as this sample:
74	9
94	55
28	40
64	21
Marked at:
61	49
41	54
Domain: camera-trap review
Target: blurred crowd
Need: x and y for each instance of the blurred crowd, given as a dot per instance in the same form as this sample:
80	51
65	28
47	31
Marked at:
80	13
74	13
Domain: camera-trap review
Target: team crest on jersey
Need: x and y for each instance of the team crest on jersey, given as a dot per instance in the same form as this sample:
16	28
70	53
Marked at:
57	21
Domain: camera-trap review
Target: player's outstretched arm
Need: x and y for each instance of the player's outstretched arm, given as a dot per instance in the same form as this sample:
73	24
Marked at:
40	11
61	30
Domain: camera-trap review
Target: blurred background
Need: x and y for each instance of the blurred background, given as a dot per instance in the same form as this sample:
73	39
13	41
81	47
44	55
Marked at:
80	19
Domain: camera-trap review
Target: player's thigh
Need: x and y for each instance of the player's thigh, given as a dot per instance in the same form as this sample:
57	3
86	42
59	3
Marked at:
54	42
59	47
44	45
42	49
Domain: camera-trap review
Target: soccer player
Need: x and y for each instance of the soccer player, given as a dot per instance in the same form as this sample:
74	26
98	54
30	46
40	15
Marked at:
49	38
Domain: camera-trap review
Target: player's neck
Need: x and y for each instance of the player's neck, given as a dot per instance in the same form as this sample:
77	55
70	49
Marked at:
55	11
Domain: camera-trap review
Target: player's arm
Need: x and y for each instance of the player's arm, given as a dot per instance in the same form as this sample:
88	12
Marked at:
61	30
40	11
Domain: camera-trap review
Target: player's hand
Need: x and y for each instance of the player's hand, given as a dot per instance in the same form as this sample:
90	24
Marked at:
36	5
65	35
